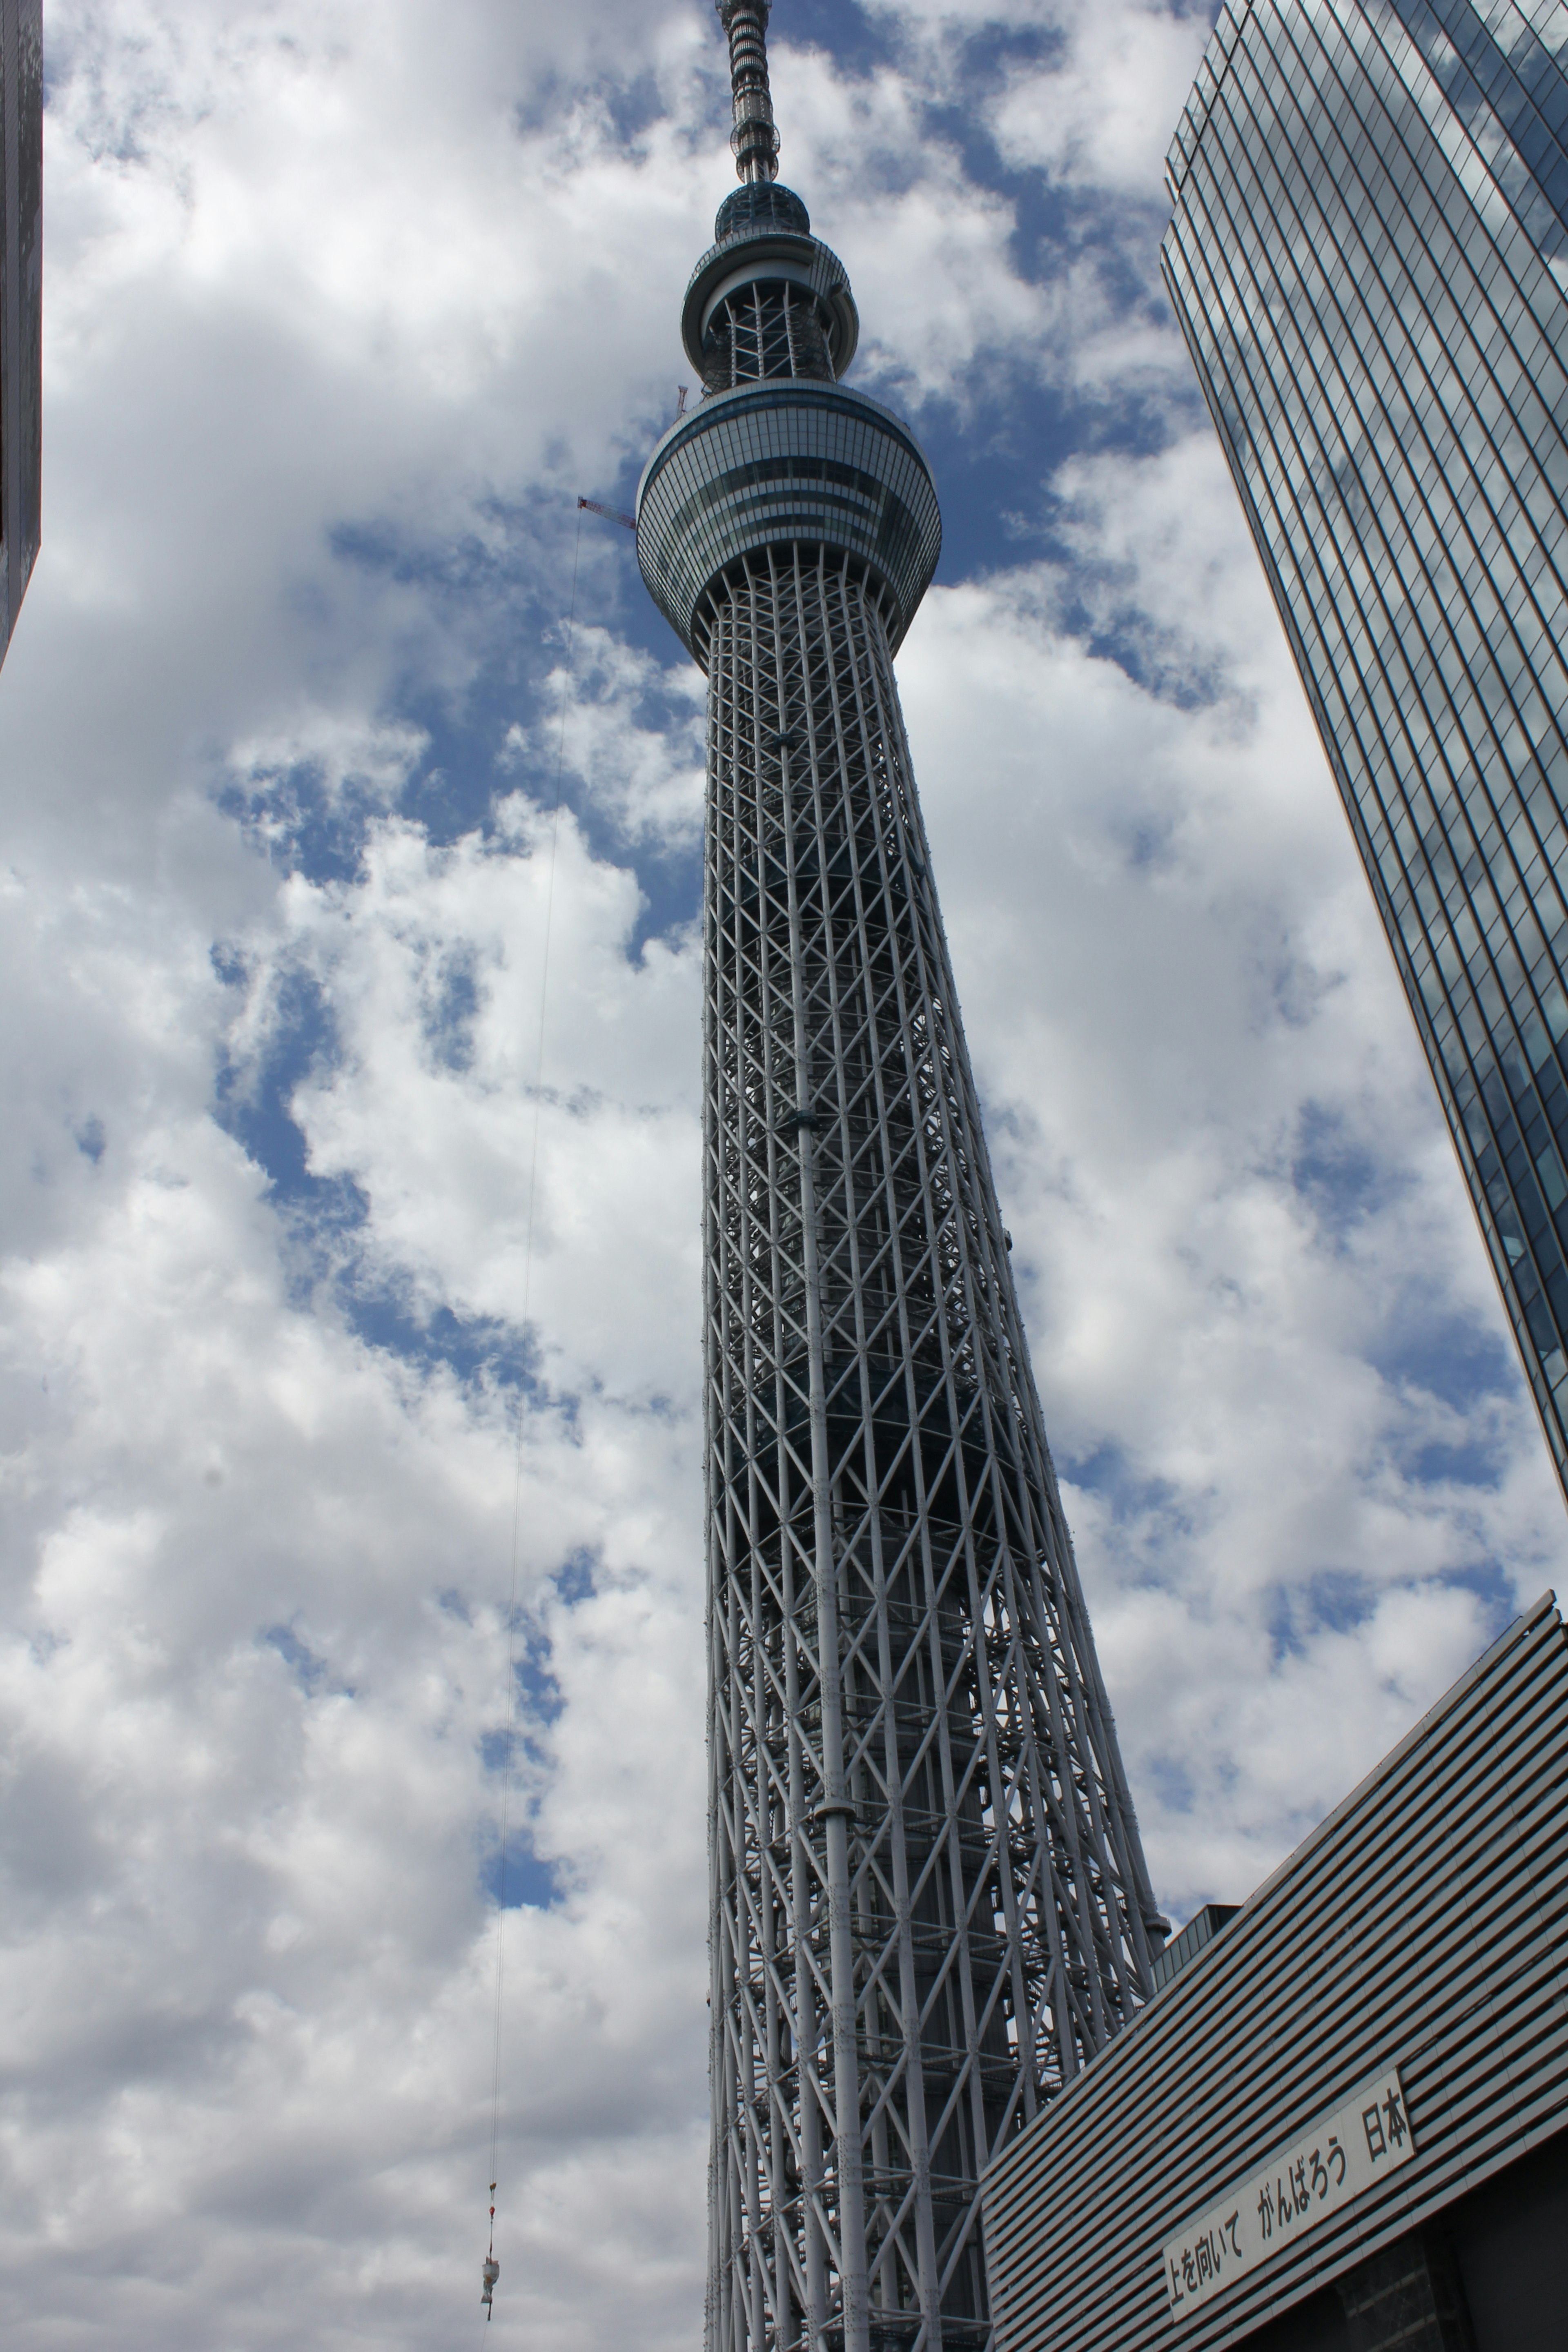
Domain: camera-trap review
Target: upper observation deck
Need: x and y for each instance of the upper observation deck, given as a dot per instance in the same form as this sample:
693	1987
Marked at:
779	452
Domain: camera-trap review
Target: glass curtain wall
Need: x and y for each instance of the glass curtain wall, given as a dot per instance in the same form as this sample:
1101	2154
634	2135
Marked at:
1368	258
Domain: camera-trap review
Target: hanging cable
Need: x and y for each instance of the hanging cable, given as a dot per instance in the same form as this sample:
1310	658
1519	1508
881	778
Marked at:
491	2267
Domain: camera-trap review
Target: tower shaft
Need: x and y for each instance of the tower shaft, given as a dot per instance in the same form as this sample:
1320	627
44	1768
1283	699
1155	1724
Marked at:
928	1906
929	1902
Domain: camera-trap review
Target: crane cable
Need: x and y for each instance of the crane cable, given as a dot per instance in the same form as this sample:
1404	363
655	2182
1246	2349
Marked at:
491	2267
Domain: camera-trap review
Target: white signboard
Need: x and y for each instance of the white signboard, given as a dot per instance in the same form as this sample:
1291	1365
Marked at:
1329	2165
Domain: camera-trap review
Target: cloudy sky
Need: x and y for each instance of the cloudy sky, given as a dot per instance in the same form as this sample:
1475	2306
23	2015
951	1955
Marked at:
345	305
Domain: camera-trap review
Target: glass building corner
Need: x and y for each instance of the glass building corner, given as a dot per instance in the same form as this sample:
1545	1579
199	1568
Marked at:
1368	256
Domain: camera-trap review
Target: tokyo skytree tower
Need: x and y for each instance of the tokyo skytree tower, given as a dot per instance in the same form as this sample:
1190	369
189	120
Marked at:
929	1906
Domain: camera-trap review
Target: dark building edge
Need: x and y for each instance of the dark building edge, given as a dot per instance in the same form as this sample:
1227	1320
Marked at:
21	277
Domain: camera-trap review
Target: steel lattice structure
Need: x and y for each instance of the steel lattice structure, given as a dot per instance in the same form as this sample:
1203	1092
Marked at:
929	1903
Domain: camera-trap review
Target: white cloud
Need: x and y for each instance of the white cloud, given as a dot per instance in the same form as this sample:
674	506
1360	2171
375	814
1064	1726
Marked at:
1097	115
630	732
433	968
345	309
1246	1247
928	252
253	1646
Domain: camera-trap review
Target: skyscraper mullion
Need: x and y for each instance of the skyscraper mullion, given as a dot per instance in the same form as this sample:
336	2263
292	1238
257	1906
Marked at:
928	1904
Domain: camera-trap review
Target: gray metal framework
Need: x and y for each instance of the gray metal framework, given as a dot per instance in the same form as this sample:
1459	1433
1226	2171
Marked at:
928	1902
1369	258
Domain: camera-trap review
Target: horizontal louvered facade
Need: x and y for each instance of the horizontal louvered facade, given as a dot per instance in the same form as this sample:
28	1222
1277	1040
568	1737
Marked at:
1423	1926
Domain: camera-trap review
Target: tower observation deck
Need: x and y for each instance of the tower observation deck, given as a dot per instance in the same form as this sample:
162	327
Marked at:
930	1905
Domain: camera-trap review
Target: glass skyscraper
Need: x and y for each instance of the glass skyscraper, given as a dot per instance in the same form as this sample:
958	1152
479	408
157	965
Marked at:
21	264
1369	259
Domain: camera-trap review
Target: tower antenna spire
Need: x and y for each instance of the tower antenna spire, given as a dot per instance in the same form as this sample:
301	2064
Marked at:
754	138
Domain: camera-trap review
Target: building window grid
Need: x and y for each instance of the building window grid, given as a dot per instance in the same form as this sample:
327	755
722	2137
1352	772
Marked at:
1438	268
1421	960
1501	80
1453	998
1407	584
1499	931
1422	152
1284	466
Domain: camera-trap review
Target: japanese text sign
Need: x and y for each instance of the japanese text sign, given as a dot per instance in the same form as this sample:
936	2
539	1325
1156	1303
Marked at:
1329	2165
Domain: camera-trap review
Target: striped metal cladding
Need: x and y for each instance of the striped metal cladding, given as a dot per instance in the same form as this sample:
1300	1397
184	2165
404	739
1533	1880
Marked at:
1425	1923
1201	1930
